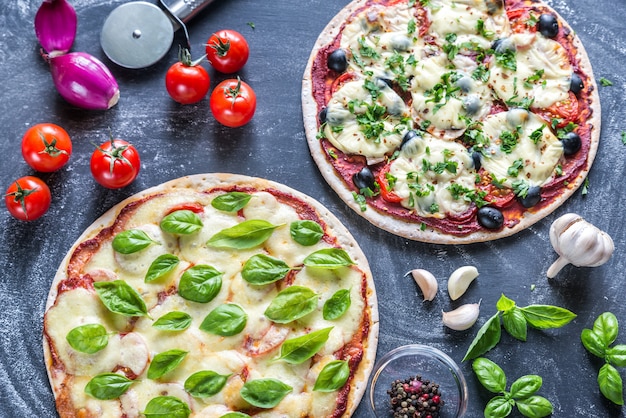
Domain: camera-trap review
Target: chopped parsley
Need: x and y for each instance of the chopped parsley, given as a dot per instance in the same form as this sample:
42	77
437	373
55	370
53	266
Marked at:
585	188
450	48
520	188
411	27
506	59
514	169
443	91
371	123
480	29
531	80
481	73
471	195
605	83
366	50
251	24
624	137
373	89
558	170
561	132
524	103
476	139
537	134
360	199
509	140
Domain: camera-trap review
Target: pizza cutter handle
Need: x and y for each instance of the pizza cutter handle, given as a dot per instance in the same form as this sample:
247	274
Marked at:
181	11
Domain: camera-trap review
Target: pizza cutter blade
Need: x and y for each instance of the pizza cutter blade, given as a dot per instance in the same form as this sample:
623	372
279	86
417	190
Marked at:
138	34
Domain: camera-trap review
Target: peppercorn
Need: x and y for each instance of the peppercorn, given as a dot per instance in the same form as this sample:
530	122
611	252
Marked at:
415	398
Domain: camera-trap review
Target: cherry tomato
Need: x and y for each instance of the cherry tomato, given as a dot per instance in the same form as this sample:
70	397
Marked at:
385	191
227	51
46	147
186	81
496	196
28	198
115	164
564	111
233	103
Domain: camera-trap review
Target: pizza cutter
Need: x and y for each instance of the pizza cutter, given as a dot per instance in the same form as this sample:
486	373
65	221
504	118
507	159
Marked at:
139	33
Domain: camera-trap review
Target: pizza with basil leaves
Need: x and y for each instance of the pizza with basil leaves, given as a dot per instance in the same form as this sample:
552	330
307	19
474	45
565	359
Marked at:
213	295
451	121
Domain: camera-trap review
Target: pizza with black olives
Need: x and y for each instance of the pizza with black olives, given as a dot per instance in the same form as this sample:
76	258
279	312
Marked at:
213	295
451	121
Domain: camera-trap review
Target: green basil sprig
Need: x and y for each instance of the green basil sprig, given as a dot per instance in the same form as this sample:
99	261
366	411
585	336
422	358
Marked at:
598	342
306	232
225	320
161	265
181	222
107	386
521	394
231	202
173	321
291	303
131	241
264	393
299	349
337	305
247	234
205	383
328	258
516	320
167	406
263	269
88	338
120	298
333	376
165	362
200	283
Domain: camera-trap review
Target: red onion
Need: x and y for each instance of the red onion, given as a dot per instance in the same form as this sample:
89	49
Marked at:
55	26
84	81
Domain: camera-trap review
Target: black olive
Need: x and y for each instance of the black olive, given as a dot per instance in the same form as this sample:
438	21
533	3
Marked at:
322	115
477	160
337	60
384	82
576	84
571	143
409	135
533	196
548	25
364	179
490	217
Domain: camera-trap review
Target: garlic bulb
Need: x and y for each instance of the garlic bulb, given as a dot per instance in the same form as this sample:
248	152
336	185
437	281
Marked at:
461	318
578	242
426	282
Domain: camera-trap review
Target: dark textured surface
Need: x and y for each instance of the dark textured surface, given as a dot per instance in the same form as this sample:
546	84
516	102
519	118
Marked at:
176	141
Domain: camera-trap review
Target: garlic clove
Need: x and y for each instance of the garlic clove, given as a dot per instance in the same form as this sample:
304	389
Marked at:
461	318
460	279
426	282
55	26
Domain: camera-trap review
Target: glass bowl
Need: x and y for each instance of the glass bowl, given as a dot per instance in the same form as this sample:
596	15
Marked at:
418	360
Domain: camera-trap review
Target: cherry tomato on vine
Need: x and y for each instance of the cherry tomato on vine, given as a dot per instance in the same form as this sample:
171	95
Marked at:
115	164
187	81
233	103
227	51
46	147
28	198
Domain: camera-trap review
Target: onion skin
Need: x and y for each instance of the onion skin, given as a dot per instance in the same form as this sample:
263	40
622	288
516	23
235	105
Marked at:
55	26
84	81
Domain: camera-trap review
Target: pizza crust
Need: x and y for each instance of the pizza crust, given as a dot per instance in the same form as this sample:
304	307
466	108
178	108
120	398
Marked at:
201	182
411	230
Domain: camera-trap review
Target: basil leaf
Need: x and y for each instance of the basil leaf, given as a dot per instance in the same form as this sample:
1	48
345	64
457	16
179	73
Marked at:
131	241
264	393
173	321
526	386
235	415
161	265
328	258
231	202
200	283
107	386
607	327
610	383
89	338
167	407
487	337
306	232
120	298
244	235
299	349
333	376
515	323
165	362
205	383
504	304
262	269
498	407
337	305
225	320
490	375
181	222
616	355
593	343
535	406
546	316
292	303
